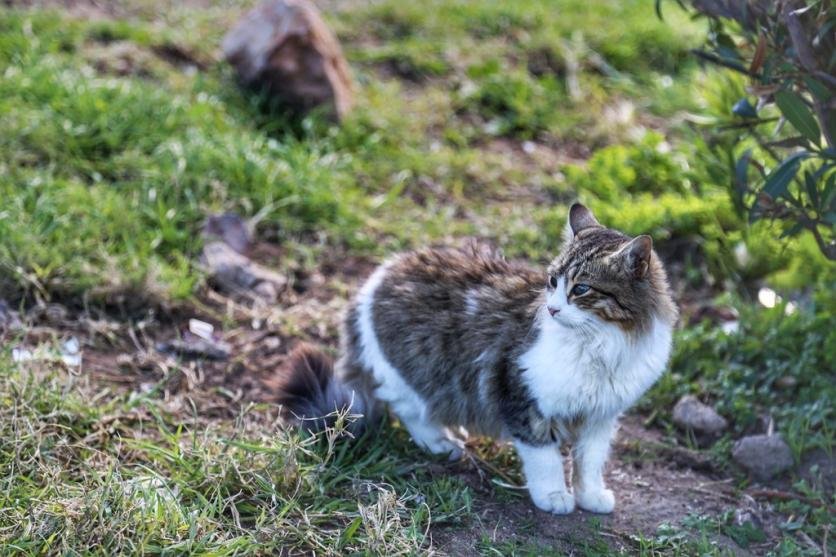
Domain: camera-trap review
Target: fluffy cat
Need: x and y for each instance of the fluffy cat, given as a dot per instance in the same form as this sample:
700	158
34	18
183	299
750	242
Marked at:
450	338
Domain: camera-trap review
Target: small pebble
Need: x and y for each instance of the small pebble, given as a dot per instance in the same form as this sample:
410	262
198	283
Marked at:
763	456
691	414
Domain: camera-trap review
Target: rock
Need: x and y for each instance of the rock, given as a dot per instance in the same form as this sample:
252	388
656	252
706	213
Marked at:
692	415
54	315
786	382
763	456
71	352
231	229
193	347
201	329
237	273
285	47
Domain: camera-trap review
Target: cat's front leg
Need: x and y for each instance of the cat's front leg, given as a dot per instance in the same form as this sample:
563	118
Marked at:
590	455
543	469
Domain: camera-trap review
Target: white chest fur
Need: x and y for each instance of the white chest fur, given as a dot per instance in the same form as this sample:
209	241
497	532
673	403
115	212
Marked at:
595	370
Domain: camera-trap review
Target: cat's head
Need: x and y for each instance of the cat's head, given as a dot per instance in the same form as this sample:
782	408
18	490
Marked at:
604	275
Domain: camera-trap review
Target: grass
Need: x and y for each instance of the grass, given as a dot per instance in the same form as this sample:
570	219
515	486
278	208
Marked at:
116	172
116	175
767	368
126	475
474	118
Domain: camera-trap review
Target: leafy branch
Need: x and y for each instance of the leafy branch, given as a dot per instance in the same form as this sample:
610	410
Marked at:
787	50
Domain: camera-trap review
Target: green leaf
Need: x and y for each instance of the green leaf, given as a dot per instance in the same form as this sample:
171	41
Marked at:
792	231
829	195
741	170
779	179
812	190
349	532
794	109
819	89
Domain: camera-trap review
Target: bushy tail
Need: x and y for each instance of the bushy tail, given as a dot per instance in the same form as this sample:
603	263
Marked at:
311	395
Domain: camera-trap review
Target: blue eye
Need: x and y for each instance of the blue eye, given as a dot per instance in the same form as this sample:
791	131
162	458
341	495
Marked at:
580	289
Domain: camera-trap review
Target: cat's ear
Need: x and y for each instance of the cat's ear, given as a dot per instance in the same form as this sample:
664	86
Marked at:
636	255
580	218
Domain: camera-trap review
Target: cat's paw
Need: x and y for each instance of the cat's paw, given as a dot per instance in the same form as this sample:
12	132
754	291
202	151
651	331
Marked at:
556	502
443	446
599	500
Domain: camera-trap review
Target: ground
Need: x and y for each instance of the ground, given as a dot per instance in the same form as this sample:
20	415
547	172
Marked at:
125	132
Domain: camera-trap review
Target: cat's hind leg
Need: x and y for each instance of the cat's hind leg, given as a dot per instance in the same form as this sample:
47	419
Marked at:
433	437
391	386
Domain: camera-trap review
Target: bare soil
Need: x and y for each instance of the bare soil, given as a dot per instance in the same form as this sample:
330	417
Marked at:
651	491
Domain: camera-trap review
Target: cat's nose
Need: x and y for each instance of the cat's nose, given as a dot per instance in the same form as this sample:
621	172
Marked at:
553	311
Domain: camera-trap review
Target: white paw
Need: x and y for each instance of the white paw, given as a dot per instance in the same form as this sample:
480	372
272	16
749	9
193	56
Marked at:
443	446
557	502
596	500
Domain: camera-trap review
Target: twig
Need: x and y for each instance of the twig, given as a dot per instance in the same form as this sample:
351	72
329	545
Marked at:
714	59
804	52
720	494
827	248
787	496
808	540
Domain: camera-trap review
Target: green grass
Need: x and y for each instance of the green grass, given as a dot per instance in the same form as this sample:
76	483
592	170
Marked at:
128	476
107	180
108	177
107	174
776	365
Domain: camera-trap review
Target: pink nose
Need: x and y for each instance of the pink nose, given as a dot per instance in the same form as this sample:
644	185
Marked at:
553	311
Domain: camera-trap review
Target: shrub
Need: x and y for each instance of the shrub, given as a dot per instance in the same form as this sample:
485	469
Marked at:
783	156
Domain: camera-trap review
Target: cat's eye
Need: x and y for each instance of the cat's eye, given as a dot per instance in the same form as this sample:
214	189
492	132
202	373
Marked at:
580	289
553	281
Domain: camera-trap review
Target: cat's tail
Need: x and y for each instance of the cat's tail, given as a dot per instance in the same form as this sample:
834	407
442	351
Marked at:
312	396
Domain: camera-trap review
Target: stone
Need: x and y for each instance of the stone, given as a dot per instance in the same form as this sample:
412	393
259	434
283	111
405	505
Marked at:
692	415
230	229
195	348
763	456
236	273
786	382
285	47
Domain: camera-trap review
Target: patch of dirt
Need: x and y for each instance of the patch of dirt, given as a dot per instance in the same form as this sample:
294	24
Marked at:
129	355
650	492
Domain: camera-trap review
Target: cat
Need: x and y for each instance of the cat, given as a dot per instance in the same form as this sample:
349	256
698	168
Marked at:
462	338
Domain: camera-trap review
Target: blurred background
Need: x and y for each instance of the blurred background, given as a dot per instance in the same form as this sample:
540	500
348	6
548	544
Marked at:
177	213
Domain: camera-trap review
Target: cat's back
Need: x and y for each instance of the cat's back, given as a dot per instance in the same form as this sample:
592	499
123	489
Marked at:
438	318
453	287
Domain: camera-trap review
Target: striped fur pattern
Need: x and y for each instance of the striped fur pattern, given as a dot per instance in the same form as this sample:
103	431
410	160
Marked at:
462	338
